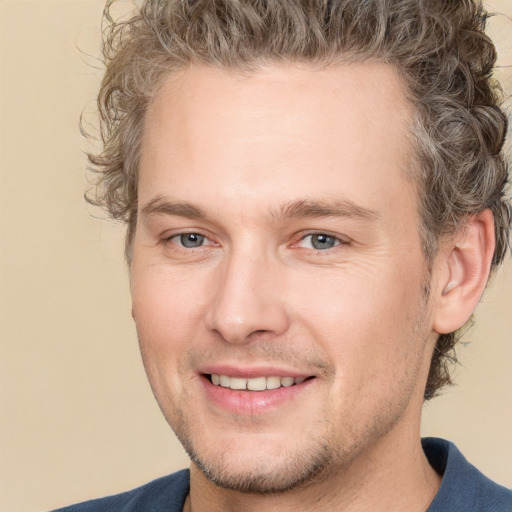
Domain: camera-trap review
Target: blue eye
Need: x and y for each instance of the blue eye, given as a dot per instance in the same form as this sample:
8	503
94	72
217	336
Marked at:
320	241
191	240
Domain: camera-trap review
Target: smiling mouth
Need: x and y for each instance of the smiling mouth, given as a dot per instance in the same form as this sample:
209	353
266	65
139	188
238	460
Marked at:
255	383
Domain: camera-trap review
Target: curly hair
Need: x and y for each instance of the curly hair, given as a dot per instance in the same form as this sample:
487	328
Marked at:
438	47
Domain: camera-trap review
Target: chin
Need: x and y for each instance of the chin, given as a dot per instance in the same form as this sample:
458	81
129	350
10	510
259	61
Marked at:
274	475
259	463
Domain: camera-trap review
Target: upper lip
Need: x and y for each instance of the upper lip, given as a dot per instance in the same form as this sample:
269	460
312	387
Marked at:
250	372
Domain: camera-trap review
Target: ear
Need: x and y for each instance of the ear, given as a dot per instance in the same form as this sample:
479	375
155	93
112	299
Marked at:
462	268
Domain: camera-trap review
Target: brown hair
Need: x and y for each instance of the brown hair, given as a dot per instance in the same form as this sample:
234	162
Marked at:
438	47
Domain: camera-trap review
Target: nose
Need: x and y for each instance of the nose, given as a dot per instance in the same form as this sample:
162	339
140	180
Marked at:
247	300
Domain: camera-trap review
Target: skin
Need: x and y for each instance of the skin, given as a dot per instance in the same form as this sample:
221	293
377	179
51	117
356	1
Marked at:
269	160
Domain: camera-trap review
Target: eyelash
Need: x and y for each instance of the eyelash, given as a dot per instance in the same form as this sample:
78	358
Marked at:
336	239
169	240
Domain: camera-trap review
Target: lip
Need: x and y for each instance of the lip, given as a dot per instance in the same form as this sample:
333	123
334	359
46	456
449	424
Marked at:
252	372
252	403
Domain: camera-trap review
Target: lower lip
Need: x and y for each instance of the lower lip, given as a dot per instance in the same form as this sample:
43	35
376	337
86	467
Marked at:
252	403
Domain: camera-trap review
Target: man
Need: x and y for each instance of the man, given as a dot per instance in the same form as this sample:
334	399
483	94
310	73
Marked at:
314	194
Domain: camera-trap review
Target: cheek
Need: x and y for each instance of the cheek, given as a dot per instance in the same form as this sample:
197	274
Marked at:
163	299
168	309
371	334
363	320
167	313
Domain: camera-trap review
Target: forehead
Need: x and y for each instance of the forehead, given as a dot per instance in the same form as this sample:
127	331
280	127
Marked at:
284	128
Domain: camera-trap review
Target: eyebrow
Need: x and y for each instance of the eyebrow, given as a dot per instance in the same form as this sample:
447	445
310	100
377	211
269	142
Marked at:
291	210
160	206
319	209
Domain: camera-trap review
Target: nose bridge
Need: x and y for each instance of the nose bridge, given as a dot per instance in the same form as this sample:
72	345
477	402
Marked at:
247	298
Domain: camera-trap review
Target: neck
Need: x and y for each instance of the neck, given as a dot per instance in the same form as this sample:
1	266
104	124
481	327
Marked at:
392	475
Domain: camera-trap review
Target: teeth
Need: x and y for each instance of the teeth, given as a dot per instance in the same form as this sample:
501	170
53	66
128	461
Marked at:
287	382
256	383
273	382
236	383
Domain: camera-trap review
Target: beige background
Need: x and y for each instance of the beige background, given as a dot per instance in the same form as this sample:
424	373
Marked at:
77	416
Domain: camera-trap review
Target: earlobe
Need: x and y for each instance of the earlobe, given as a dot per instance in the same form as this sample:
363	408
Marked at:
463	266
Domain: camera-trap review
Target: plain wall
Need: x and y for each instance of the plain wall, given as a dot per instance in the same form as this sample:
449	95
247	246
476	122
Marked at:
77	417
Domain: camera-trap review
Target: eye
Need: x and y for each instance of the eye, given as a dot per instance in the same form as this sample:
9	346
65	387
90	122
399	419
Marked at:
319	242
189	240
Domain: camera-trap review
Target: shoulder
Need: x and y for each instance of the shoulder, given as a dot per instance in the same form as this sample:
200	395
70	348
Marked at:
463	487
164	494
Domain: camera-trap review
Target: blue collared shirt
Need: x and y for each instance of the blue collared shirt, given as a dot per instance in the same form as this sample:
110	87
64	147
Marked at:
463	488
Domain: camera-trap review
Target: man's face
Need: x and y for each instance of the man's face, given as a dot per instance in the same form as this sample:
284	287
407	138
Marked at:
277	248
